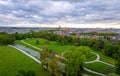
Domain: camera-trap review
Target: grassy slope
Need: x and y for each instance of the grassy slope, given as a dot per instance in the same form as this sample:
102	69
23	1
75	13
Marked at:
52	45
11	61
100	67
107	59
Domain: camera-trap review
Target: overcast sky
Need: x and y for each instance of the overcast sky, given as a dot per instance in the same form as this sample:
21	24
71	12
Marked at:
74	13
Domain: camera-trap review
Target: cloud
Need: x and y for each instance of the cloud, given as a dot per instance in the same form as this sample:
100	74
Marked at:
52	11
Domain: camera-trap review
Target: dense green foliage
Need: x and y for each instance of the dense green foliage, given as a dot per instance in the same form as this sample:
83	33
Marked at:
55	67
74	62
37	41
112	50
100	34
50	62
6	39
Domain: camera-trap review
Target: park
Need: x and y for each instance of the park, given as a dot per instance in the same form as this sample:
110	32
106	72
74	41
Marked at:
95	63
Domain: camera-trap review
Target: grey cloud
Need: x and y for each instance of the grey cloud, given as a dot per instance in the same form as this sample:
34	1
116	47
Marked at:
50	11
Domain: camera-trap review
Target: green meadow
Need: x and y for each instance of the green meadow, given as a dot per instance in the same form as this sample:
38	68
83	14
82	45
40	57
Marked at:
12	61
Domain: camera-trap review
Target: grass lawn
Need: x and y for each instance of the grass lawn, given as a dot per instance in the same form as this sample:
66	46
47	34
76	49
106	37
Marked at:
107	59
54	46
88	73
11	61
100	67
93	57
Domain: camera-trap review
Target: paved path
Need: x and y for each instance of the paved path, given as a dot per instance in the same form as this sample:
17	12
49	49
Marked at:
30	45
35	59
96	60
38	48
94	72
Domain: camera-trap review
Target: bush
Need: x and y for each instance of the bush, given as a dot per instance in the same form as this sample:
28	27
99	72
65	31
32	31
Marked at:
37	41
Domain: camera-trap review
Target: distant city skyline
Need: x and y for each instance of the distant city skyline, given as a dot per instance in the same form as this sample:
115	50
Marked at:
65	13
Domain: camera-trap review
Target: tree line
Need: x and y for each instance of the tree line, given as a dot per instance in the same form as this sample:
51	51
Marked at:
106	46
100	34
6	38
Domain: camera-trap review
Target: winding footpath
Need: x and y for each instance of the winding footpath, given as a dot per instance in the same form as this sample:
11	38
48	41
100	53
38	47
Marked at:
98	60
39	62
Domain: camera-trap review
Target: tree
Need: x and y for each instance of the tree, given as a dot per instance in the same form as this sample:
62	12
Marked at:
44	58
99	44
10	39
46	55
6	39
107	49
3	39
55	67
85	51
91	42
31	33
74	63
111	50
84	42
